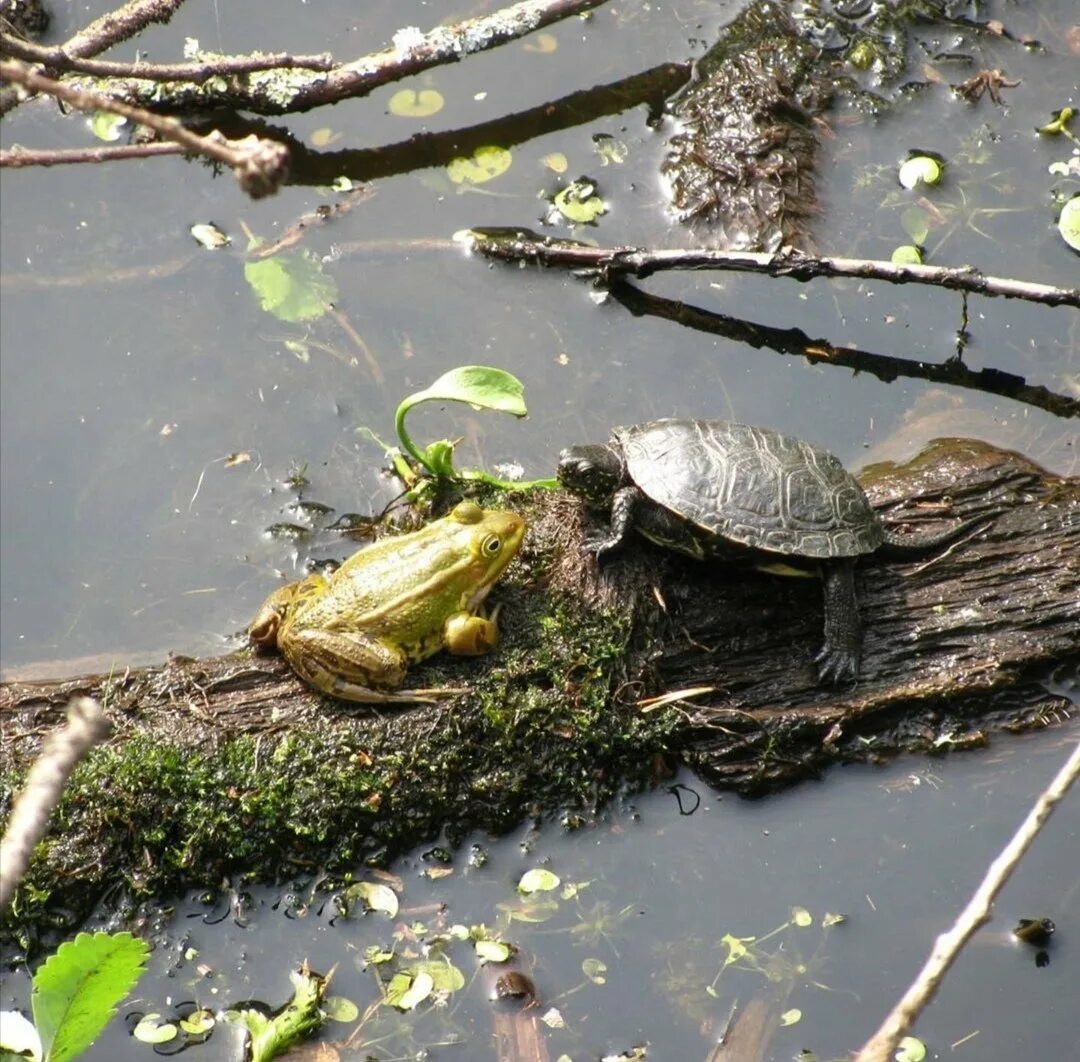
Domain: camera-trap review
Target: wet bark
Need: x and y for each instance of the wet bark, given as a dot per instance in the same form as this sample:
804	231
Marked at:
969	639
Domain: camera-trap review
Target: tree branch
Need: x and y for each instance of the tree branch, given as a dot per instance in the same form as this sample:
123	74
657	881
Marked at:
259	165
521	245
882	1045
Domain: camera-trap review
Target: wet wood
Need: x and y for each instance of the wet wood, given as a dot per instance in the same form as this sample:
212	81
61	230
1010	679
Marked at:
960	643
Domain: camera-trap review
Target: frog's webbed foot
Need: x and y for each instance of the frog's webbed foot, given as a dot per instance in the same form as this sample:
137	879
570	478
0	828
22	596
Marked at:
350	691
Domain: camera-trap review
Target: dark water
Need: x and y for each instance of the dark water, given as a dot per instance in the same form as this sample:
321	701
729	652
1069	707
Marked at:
663	877
124	533
134	364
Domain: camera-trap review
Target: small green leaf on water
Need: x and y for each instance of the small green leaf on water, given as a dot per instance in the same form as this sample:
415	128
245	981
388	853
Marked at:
198	1022
492	951
579	203
916	224
535	911
557	162
374	896
76	990
1069	223
484	164
801	917
906	255
338	1008
107	126
1059	124
324	137
151	1030
419	988
911	1049
408	103
919	169
341	184
375	955
791	1017
292	286
445	976
736	947
538	880
595	970
833	920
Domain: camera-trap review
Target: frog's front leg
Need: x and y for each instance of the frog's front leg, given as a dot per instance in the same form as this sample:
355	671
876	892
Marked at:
469	634
345	664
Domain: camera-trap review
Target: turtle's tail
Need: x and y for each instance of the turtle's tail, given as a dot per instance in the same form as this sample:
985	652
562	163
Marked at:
915	544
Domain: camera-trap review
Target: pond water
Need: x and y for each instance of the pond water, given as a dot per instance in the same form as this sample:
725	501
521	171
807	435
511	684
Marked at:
637	956
136	364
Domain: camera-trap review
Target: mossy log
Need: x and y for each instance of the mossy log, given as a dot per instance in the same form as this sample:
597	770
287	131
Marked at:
232	766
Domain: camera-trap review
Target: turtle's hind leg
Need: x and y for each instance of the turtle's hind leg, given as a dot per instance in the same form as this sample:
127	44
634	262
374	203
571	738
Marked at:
840	655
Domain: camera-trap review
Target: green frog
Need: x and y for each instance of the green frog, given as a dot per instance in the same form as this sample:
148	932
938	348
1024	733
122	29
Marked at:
395	602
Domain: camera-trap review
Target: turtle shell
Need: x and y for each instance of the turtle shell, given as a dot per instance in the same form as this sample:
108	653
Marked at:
752	486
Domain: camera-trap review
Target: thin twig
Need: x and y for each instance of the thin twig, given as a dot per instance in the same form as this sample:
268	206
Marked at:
18	155
86	726
882	1045
610	262
259	165
57	59
119	25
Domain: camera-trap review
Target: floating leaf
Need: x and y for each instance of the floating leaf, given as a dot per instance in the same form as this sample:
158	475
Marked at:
445	976
342	184
198	1022
324	137
906	255
375	955
538	880
911	1049
18	1035
557	162
579	203
409	103
536	910
374	896
919	169
292	286
338	1008
209	236
553	1019
76	990
595	970
492	950
417	989
151	1030
1069	223
611	150
483	165
1059	124
801	917
833	920
790	1017
107	126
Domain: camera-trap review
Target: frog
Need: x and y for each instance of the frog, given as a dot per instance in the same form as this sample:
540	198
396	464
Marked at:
352	634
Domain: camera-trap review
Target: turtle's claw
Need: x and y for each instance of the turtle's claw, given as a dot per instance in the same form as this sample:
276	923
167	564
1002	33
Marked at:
836	665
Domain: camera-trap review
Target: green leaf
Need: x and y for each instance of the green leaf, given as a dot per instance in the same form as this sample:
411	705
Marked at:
338	1008
790	1017
919	169
538	880
492	950
911	1050
579	203
481	387
445	976
292	286
801	917
374	896
906	255
152	1030
1060	123
407	103
484	164
916	224
1069	223
107	126
76	991
595	970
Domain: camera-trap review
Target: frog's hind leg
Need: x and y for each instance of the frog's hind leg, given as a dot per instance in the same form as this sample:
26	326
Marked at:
347	664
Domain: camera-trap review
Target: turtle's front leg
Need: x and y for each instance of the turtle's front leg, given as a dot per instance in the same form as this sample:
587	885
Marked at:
622	515
840	655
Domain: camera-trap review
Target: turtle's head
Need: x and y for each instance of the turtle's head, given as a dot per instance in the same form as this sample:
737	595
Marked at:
593	472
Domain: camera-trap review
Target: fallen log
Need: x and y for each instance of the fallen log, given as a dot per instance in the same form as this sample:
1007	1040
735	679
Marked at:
233	766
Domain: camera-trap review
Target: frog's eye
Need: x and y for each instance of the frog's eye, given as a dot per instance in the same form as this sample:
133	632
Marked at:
491	546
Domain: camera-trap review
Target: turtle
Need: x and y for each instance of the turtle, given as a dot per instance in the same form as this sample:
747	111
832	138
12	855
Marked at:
719	489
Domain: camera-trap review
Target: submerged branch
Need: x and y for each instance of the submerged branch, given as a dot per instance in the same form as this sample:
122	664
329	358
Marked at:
608	263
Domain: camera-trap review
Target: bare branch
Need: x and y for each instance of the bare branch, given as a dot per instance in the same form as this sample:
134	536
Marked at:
86	726
58	60
259	165
520	245
18	155
882	1045
119	25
